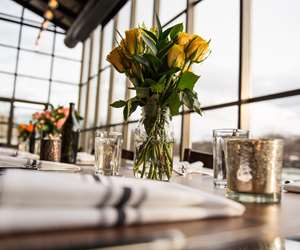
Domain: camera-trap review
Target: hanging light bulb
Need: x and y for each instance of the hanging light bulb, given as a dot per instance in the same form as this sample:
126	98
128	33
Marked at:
53	4
48	15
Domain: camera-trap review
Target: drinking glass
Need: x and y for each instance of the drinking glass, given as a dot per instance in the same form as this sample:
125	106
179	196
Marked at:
219	165
108	149
254	169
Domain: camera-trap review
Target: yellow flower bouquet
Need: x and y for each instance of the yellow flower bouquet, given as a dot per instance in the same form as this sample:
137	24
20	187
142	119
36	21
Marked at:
158	64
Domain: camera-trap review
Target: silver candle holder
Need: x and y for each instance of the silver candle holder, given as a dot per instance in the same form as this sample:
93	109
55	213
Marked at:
254	169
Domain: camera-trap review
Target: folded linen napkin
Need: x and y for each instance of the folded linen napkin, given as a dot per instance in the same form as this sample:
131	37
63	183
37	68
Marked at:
184	168
292	187
28	163
33	200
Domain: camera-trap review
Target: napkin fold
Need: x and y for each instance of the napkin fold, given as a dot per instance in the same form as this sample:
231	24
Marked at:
292	187
33	200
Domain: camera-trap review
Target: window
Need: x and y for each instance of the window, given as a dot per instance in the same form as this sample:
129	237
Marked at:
275	46
32	76
218	21
168	10
142	16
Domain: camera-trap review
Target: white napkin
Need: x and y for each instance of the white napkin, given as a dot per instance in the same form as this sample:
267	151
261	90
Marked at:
292	187
84	158
184	167
20	162
4	151
33	200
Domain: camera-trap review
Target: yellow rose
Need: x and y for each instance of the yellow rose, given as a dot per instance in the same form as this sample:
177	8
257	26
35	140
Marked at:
197	49
176	56
133	41
184	38
115	58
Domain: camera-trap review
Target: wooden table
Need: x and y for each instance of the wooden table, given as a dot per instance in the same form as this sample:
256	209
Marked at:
260	222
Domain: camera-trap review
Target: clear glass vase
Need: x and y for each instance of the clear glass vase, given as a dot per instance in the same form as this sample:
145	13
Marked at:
154	141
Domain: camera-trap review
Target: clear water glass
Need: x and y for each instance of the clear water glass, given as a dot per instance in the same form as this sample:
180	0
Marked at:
219	165
108	149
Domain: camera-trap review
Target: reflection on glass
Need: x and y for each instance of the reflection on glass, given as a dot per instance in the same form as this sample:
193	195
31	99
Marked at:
28	39
32	89
202	126
66	70
6	85
218	21
63	94
275	68
118	94
34	64
9	33
8	59
142	16
103	103
167	9
10	7
108	35
271	126
4	116
62	50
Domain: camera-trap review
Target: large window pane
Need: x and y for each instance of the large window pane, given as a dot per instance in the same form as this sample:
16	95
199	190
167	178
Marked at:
4	116
118	94
124	18
180	19
86	58
66	70
6	85
8	59
32	89
275	46
264	122
10	7
103	102
202	126
176	122
107	41
62	50
29	15
9	33
92	102
29	36
82	99
169	9
218	21
63	94
142	16
96	51
34	64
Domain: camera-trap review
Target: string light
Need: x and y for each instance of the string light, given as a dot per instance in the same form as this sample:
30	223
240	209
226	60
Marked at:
48	16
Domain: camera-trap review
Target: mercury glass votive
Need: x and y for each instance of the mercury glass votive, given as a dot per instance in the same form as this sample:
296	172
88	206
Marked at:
254	169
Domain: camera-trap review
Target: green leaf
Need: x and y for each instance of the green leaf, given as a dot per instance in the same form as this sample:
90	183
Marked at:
190	100
151	44
130	107
151	34
158	87
187	81
175	30
153	60
163	52
158	26
118	104
142	92
141	60
174	103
